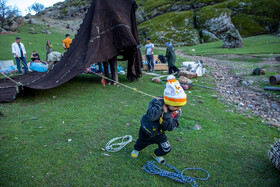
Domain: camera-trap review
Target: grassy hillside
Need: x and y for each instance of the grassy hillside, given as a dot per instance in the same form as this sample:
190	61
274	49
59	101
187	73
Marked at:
32	42
35	129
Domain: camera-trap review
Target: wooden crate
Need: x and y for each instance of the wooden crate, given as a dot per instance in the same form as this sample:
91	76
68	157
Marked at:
157	67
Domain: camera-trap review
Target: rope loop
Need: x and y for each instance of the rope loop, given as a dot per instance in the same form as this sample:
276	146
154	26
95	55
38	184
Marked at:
118	146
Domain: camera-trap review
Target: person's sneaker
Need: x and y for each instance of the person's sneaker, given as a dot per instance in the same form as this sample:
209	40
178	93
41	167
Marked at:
159	159
134	153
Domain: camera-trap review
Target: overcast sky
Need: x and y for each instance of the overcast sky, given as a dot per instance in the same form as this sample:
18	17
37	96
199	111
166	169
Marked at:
23	4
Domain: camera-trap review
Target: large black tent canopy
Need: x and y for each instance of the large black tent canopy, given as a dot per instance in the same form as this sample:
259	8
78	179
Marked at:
108	29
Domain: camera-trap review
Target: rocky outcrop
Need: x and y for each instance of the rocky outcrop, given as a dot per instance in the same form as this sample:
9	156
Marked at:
13	23
212	20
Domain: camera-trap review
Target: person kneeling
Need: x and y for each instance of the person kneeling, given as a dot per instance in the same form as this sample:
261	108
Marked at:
35	56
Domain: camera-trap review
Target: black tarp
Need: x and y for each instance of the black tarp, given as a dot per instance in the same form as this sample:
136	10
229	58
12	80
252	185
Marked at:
108	29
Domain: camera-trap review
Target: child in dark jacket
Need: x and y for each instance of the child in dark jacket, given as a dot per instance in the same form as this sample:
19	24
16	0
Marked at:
162	115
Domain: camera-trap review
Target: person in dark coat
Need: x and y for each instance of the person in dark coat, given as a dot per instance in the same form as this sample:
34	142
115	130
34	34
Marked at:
162	115
171	58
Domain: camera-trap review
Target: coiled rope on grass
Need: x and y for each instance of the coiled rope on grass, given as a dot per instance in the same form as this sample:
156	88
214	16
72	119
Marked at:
151	168
110	147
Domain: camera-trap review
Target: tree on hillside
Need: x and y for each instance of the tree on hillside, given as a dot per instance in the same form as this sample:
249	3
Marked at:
36	7
7	11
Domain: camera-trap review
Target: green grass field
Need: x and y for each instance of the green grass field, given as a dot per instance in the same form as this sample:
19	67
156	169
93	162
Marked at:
264	44
34	150
31	42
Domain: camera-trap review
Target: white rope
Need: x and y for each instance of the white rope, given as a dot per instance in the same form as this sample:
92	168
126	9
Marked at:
18	84
118	146
134	89
150	21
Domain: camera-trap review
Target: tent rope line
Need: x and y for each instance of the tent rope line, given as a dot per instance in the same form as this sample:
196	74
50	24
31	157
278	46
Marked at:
18	84
134	89
112	28
153	69
150	21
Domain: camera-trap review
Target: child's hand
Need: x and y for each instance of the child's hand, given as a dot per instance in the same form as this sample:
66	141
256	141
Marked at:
158	98
165	108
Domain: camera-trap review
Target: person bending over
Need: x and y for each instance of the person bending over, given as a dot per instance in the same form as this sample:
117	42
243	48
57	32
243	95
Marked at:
162	115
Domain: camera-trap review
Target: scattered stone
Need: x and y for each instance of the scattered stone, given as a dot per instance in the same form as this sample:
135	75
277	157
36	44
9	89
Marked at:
244	83
240	104
127	124
46	31
33	32
69	140
215	96
275	106
179	140
250	82
31	29
31	21
236	93
251	106
228	92
197	127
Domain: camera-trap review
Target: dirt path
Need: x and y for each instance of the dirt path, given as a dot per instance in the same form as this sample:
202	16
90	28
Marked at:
242	95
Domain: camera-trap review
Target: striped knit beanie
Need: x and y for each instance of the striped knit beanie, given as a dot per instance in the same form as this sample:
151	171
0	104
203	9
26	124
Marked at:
174	95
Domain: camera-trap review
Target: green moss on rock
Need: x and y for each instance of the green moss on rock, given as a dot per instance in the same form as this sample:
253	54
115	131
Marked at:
208	1
210	12
247	26
177	27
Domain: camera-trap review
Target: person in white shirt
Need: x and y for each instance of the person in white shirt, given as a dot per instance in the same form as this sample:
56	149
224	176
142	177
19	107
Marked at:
149	51
20	54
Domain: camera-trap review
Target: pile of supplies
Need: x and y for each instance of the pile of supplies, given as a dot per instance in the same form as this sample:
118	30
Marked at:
192	68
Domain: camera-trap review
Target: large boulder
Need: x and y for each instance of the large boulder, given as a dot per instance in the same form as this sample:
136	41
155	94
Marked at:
2	30
10	25
45	31
54	56
28	16
232	39
216	21
20	20
208	36
31	29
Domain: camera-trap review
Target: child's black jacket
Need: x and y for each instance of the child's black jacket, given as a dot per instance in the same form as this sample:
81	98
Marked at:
150	122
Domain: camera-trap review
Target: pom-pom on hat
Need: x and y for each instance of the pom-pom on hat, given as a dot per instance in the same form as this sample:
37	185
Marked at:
174	95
